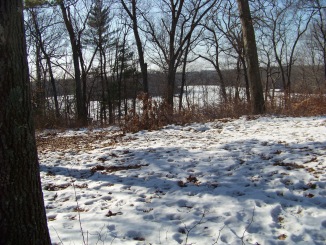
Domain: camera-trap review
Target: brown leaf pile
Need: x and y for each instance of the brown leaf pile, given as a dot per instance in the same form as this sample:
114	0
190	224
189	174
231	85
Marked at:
111	169
53	142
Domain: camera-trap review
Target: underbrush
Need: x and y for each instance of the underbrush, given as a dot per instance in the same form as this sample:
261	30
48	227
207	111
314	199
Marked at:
307	106
153	114
299	105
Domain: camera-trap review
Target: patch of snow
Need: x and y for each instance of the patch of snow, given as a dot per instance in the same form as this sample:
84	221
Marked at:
241	181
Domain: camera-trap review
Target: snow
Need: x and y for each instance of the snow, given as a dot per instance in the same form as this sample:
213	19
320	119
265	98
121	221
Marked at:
245	181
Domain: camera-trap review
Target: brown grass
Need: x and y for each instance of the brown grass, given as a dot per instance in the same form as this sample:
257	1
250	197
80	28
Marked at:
155	115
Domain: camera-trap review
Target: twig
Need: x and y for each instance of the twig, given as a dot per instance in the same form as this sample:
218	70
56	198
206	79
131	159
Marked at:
219	234
194	226
78	211
58	235
251	221
113	240
99	236
159	237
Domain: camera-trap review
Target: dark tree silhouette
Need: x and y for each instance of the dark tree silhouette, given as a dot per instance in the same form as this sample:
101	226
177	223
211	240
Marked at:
132	13
79	69
256	88
22	213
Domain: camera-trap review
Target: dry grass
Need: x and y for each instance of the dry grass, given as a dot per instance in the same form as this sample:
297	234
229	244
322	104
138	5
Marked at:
300	105
311	106
155	115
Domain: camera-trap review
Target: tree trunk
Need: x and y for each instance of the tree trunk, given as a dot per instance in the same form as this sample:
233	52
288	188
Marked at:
143	66
324	59
246	78
40	89
54	88
183	83
256	89
22	212
103	99
221	77
80	98
170	88
40	46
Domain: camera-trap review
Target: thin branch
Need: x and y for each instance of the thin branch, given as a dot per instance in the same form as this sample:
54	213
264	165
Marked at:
219	235
251	221
193	227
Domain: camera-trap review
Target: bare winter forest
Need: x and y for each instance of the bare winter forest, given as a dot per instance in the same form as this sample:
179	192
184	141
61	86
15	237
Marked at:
162	122
108	61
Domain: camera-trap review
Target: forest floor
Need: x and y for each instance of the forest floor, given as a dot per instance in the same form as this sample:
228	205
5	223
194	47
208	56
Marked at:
233	181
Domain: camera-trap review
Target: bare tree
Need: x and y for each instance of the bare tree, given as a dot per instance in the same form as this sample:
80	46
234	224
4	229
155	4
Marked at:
121	62
187	59
131	10
213	39
170	35
272	73
22	212
75	47
318	31
76	25
228	23
99	35
284	24
46	42
257	97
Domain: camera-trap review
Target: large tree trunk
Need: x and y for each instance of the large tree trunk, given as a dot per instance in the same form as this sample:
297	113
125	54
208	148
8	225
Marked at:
22	213
256	89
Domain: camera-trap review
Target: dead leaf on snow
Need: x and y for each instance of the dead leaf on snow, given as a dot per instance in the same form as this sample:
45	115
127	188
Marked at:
282	237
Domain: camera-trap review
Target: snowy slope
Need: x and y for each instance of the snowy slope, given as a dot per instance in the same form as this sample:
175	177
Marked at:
245	181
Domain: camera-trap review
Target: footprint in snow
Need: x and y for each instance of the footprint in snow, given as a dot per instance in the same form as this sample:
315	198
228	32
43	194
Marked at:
323	224
177	238
227	214
89	202
106	198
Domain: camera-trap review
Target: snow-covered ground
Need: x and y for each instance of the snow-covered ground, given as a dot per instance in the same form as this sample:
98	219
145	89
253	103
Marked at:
244	181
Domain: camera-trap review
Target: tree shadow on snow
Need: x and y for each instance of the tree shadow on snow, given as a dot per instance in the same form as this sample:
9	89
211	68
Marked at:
246	170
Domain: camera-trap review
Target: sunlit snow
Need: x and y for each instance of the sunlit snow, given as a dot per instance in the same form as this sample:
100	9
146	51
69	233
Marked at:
244	181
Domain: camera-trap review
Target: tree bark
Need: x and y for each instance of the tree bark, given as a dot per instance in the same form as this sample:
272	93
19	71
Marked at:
256	89
22	212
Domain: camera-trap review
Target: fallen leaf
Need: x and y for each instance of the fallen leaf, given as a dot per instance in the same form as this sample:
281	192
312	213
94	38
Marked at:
282	237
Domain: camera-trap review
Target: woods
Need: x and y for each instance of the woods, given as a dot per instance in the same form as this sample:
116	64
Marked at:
139	65
108	52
